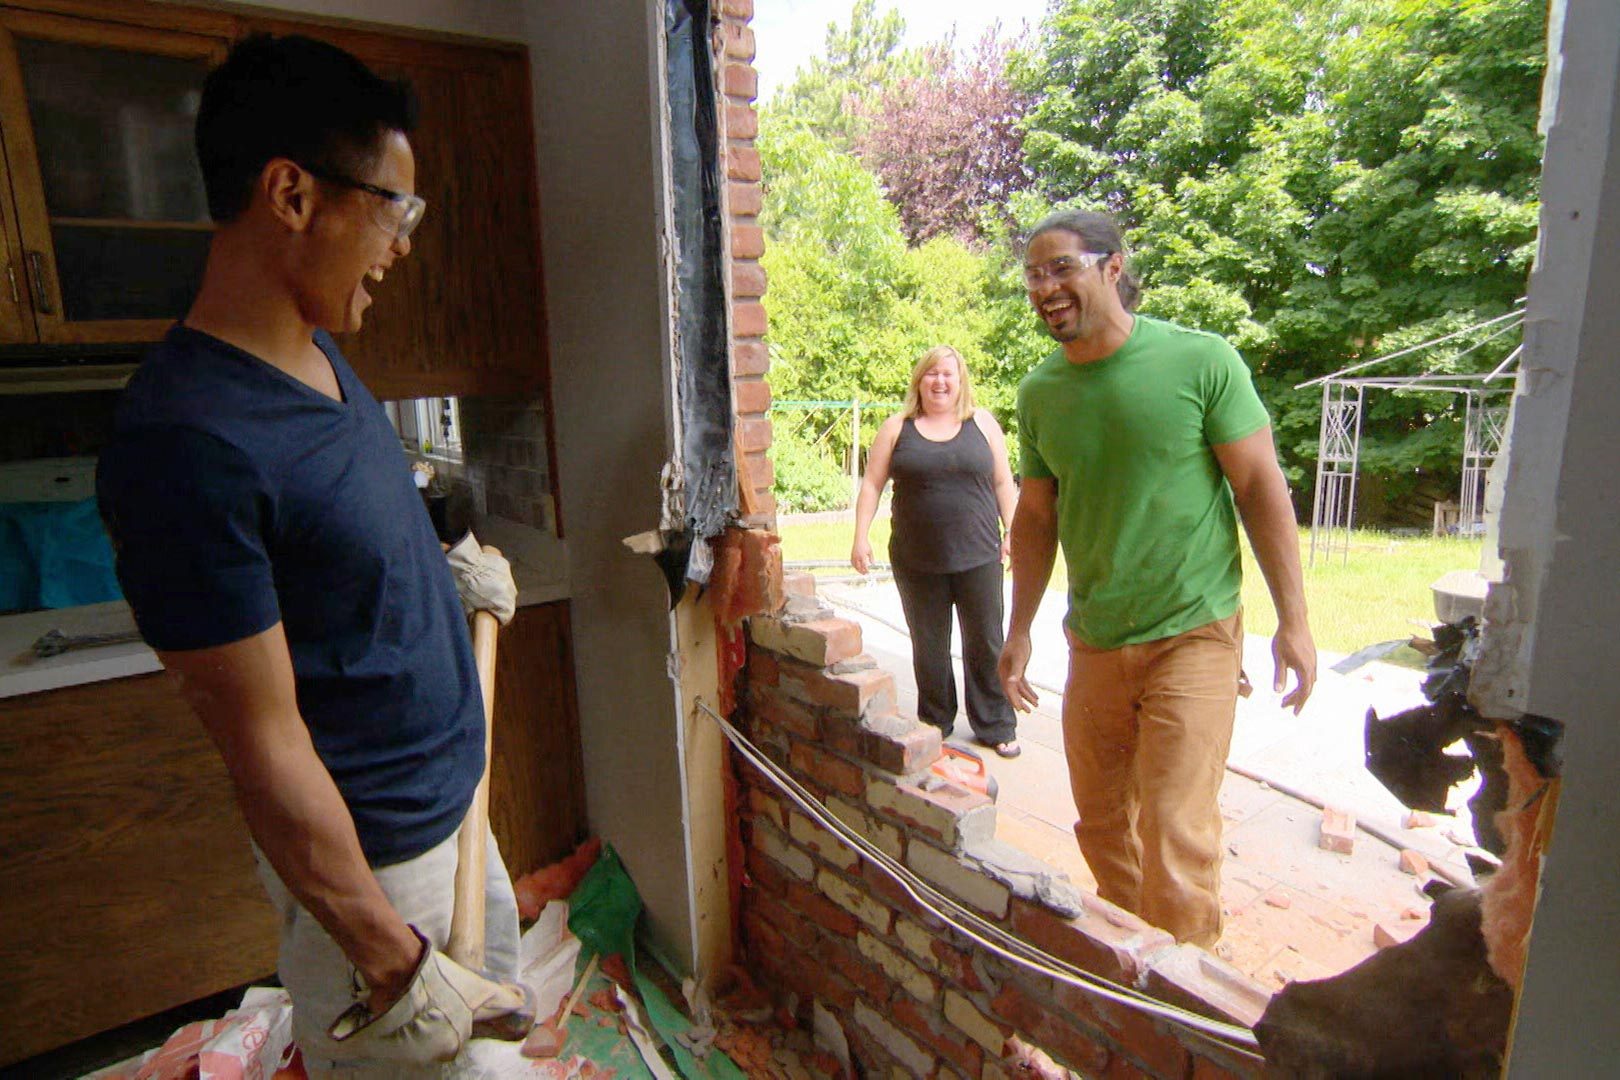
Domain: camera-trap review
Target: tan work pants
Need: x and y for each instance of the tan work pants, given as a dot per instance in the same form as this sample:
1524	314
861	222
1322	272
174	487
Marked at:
1146	729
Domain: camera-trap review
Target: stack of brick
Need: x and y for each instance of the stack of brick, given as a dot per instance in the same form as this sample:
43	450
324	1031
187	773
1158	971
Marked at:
739	125
914	997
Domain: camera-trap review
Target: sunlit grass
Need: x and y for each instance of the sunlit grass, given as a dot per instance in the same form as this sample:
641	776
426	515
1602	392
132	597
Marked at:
1380	593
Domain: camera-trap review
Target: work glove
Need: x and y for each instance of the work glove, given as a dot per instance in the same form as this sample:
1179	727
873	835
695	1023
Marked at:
483	580
434	1017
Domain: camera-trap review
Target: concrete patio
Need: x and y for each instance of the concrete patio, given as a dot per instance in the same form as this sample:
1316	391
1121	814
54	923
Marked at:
1294	911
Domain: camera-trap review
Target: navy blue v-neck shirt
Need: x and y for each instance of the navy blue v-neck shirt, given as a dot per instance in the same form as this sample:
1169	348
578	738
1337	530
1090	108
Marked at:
238	497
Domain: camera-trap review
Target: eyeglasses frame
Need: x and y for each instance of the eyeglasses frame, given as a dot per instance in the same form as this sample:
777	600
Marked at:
415	205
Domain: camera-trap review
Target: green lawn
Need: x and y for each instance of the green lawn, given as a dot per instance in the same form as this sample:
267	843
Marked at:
1379	594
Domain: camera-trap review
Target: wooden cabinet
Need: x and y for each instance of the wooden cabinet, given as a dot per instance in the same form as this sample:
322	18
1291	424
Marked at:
462	314
106	224
104	228
128	883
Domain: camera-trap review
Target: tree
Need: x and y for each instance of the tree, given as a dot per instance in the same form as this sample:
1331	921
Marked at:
947	142
1320	182
859	62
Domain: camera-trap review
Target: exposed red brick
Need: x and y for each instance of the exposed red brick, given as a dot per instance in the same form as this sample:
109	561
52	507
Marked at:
799	583
766	806
747	280
908	752
790	924
1149	1041
885	888
833	773
1338	831
758	588
762	667
1122	1068
742	163
765	873
1103	939
821	911
760	936
936	1033
754	435
1205	1068
742	121
857	969
1079	1051
740	81
789	715
956	964
761	470
739	41
853	693
1414	862
1194	979
749	357
748	318
744	200
748	242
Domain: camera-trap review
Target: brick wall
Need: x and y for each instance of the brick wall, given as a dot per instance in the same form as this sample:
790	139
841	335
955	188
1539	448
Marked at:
737	85
911	995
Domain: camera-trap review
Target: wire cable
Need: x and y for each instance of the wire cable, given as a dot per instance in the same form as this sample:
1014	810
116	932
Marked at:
1008	946
1515	313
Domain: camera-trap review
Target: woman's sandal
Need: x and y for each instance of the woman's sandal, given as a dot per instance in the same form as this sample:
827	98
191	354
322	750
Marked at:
1008	749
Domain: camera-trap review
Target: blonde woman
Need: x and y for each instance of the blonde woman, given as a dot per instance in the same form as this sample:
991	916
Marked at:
953	497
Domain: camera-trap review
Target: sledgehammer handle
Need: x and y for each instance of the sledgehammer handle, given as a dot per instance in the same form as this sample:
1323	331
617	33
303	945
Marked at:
466	945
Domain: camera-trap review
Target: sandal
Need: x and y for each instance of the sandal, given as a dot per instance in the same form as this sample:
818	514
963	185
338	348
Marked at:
1008	749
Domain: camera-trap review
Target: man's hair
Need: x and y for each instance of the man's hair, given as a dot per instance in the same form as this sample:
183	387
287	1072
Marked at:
292	97
925	363
1098	233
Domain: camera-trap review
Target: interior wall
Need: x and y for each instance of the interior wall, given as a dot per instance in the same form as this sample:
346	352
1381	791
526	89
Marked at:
1549	639
596	102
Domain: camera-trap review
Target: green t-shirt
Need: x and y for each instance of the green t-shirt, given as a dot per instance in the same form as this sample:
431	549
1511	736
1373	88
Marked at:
1145	516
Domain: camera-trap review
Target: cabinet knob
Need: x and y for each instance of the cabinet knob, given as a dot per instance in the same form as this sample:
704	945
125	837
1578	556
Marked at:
42	287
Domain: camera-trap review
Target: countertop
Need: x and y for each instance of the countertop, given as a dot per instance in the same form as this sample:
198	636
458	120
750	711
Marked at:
22	673
539	565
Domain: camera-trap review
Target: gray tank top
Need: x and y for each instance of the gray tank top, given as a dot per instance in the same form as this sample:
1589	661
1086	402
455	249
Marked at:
944	511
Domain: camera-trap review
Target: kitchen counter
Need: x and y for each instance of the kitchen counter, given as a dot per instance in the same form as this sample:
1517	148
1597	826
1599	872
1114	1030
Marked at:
539	566
22	673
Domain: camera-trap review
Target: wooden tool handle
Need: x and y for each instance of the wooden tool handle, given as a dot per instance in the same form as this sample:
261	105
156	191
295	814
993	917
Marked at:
466	945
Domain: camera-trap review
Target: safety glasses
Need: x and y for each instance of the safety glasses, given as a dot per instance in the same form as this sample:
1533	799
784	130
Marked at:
1065	266
397	213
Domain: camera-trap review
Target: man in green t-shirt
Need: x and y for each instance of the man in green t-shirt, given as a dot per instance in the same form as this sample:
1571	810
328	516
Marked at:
1142	444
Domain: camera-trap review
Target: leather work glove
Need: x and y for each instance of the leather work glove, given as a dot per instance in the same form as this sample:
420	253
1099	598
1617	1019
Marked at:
434	1017
483	580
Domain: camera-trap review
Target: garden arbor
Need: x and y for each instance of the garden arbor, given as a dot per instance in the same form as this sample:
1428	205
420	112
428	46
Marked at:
1344	393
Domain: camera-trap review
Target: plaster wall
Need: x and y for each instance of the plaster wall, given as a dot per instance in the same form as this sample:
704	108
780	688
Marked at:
597	108
1549	639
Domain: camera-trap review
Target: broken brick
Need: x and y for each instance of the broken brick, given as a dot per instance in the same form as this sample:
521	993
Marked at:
1413	862
1417	819
1388	934
1338	831
1278	899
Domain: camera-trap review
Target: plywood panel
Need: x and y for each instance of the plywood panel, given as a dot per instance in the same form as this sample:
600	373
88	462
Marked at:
537	788
128	884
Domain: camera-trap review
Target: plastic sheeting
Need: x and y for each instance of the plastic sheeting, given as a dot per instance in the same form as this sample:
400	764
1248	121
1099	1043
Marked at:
701	340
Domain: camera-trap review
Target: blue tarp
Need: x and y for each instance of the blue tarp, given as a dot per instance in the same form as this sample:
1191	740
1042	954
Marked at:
54	555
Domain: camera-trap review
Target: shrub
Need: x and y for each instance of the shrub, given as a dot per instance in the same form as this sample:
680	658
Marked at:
807	478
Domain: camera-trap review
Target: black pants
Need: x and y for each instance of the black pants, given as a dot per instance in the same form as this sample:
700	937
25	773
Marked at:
976	594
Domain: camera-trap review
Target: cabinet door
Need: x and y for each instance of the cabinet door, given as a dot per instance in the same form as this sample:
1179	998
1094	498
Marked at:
98	126
462	314
129	886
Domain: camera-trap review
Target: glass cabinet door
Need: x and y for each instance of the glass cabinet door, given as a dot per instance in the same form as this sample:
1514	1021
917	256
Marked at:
98	129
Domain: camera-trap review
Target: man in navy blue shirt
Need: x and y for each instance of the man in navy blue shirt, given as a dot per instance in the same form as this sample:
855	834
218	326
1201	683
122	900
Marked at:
276	554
